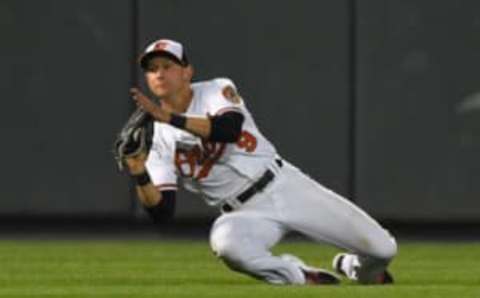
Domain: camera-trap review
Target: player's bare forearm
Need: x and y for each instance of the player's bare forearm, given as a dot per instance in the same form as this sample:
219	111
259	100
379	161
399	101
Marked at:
198	126
148	195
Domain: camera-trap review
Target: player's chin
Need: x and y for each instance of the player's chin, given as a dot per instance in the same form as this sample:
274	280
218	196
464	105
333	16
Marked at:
160	92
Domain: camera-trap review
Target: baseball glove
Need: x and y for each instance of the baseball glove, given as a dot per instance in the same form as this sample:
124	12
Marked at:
133	138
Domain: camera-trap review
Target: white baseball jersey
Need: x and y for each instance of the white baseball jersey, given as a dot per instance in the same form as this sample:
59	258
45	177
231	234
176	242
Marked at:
215	170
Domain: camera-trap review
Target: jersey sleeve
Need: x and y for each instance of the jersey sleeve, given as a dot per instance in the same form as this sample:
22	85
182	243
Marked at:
223	97
160	163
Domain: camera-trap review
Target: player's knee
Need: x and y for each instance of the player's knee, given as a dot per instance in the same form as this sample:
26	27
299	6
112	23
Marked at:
225	249
381	246
387	250
223	244
230	253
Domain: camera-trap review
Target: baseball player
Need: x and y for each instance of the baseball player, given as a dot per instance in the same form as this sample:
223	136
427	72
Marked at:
206	139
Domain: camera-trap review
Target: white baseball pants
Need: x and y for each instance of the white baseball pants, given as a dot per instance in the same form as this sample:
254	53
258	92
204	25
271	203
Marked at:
294	202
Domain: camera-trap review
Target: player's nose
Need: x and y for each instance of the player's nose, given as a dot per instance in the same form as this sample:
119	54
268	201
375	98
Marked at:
159	73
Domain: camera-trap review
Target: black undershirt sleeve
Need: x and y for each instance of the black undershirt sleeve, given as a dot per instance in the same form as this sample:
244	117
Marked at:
163	212
226	128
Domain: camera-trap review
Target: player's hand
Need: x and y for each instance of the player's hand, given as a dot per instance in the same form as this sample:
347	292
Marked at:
136	164
159	112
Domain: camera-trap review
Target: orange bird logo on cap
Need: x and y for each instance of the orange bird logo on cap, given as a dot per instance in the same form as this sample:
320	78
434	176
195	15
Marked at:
161	45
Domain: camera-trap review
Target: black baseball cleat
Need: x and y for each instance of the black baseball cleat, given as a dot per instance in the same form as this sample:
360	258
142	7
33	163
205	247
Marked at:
320	277
384	279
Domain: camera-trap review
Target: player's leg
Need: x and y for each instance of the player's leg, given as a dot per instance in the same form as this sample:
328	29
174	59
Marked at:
326	216
243	241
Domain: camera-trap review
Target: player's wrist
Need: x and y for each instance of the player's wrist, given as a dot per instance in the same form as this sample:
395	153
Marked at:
142	178
178	121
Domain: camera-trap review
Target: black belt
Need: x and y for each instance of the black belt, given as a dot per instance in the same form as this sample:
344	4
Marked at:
258	186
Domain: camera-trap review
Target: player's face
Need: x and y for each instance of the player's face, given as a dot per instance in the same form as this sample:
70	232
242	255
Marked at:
165	78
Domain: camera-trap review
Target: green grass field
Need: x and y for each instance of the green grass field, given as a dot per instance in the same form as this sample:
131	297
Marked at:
188	269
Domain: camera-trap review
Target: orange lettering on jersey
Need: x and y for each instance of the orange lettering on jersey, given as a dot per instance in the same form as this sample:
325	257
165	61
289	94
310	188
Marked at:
187	161
213	152
230	94
247	141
